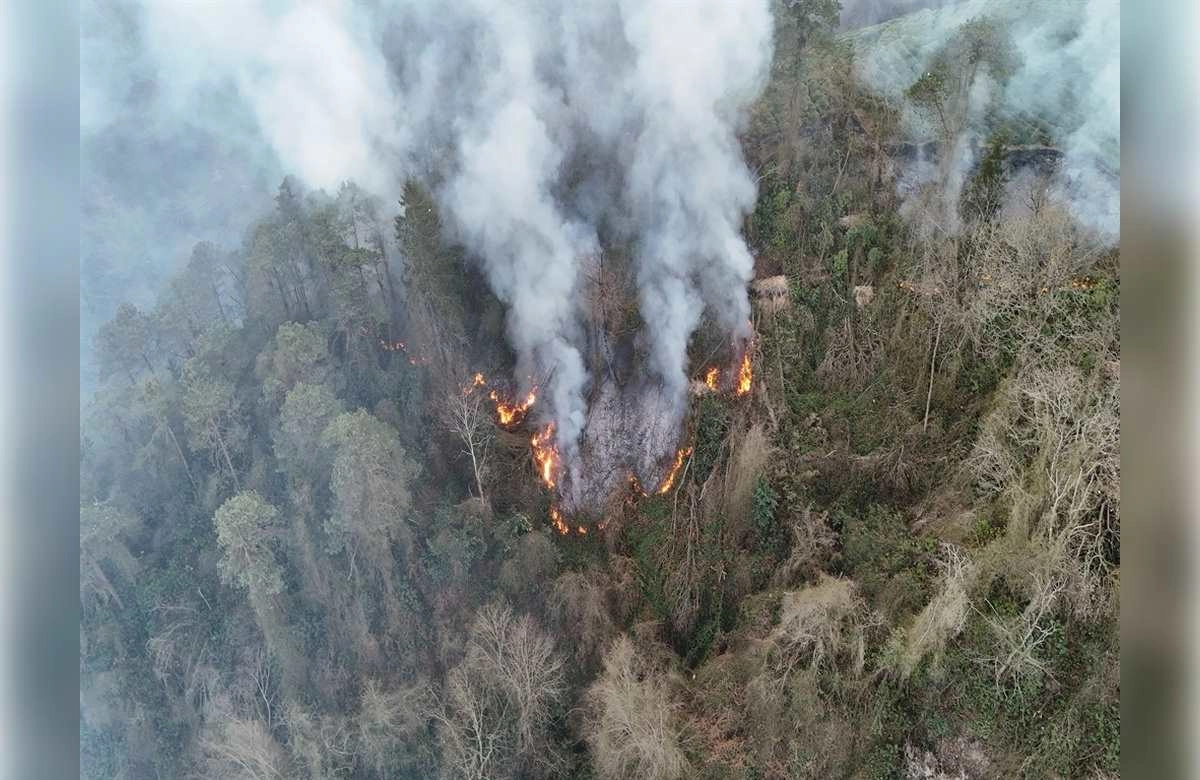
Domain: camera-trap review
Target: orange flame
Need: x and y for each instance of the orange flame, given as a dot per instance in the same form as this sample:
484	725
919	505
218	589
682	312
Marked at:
669	481
506	413
545	455
556	520
711	377
560	524
476	381
745	375
510	414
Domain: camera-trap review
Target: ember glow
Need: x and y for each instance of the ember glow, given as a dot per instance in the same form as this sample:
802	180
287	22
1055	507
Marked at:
745	375
669	481
560	524
545	456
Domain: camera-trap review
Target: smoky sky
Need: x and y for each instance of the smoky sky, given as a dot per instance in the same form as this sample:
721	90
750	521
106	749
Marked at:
547	130
540	126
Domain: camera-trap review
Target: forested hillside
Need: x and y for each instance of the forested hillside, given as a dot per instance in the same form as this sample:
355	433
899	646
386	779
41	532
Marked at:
316	538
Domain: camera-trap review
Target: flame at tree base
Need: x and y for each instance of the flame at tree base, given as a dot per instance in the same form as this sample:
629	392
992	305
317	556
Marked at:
745	375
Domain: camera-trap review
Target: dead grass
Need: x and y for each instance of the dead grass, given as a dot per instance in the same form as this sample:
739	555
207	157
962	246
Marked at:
632	726
748	463
945	616
822	628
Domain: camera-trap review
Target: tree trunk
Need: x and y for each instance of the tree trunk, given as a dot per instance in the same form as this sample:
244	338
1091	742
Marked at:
182	458
932	362
225	455
475	468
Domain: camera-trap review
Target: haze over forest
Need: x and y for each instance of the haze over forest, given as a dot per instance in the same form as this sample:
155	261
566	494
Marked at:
610	389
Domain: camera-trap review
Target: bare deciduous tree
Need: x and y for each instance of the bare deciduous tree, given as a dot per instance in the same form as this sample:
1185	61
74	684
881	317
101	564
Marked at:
1019	640
469	417
391	725
236	746
497	703
632	723
946	613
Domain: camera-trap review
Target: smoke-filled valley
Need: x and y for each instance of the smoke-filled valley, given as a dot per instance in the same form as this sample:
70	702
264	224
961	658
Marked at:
614	389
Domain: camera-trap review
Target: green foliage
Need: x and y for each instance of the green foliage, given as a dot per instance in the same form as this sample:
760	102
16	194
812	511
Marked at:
256	387
433	268
307	411
298	353
893	567
645	541
772	537
712	425
839	265
984	193
812	17
453	548
371	481
212	414
125	344
929	89
876	259
247	530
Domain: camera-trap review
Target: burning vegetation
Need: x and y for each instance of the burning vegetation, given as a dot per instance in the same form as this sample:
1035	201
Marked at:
745	376
669	481
546	457
510	414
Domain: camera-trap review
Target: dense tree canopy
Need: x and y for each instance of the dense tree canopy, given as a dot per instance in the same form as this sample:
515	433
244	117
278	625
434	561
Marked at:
310	548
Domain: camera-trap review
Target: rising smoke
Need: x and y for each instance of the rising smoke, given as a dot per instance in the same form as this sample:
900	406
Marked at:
1067	81
541	126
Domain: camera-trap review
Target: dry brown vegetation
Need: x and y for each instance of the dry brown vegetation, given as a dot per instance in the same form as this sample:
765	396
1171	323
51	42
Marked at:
633	725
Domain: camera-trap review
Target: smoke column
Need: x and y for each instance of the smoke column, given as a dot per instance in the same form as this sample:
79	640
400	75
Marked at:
541	125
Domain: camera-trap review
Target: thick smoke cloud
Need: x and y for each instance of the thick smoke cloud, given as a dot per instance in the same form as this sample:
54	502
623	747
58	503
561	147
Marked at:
1068	79
311	73
541	125
688	186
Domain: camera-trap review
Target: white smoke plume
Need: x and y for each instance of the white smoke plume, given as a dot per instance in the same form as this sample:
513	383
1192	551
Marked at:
542	126
310	73
688	186
1068	80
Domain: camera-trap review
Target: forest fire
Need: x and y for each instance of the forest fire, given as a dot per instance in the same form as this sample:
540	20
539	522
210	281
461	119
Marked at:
745	375
511	414
560	524
669	481
545	455
476	382
507	414
557	521
743	380
388	345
